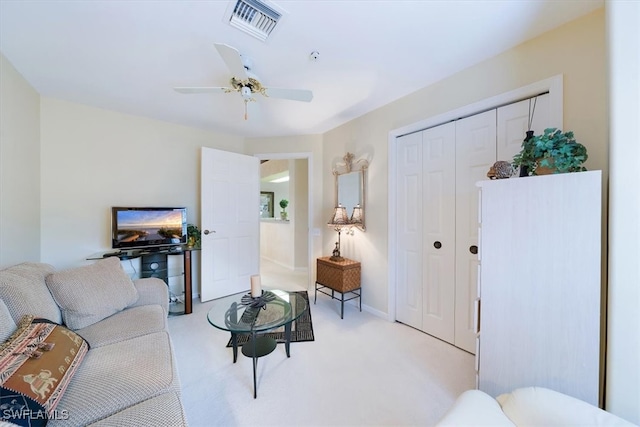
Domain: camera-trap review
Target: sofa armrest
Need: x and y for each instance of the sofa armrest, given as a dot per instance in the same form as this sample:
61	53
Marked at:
475	408
152	291
542	406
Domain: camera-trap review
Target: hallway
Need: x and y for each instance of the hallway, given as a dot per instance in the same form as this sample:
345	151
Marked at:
275	276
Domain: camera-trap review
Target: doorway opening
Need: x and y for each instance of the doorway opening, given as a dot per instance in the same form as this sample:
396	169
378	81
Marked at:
285	220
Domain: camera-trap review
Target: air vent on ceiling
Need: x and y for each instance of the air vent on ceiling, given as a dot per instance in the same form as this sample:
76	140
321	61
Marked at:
255	18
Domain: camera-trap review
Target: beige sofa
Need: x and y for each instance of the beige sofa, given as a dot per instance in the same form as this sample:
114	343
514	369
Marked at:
528	406
128	375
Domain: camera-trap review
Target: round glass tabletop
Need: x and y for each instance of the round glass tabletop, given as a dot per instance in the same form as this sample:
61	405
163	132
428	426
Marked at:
235	313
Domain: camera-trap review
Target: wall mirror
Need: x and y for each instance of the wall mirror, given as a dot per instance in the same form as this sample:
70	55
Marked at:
350	186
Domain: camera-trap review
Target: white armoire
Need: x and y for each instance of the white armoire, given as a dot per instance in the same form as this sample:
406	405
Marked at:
538	321
437	207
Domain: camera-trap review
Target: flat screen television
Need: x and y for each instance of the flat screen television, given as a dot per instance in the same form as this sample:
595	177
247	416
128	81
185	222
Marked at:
150	227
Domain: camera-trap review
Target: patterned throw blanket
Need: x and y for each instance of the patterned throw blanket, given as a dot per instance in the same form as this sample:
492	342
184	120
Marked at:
36	365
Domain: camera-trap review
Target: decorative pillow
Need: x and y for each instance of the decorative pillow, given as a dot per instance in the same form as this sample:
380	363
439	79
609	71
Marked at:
36	365
91	293
7	325
23	290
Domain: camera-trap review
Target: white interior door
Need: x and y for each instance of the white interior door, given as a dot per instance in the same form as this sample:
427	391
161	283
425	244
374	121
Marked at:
475	153
230	200
439	206
409	230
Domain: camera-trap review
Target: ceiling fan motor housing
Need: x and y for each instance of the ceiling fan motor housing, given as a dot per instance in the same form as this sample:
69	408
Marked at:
246	92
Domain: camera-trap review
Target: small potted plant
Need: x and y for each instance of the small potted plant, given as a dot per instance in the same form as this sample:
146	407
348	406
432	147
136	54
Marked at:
552	152
193	236
283	213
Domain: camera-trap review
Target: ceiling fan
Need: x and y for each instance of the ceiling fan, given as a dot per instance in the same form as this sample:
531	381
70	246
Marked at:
245	82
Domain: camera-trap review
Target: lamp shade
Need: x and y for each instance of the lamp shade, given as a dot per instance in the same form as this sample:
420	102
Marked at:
339	217
356	216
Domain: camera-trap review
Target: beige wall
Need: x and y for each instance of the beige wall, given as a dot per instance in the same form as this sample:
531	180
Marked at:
276	242
19	168
576	50
93	159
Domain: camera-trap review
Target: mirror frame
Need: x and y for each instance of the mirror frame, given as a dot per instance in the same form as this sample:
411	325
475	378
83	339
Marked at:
347	167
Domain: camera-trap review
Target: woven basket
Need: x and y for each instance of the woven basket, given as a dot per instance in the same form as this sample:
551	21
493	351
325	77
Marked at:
339	276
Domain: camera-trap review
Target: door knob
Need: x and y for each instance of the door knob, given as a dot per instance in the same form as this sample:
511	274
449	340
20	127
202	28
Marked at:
473	249
437	245
207	232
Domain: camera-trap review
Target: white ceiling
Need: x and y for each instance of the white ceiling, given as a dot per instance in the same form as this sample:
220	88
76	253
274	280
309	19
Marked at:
128	55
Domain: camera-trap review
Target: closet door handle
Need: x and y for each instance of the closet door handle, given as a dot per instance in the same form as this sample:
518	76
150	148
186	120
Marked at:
473	249
437	244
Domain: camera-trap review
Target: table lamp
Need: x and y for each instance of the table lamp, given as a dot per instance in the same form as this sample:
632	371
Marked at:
356	216
338	221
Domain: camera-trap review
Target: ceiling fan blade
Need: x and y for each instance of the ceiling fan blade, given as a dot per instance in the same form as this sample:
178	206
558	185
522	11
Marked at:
189	90
232	58
292	94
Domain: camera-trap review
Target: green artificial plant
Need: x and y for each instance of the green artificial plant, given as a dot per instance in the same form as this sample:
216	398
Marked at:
553	149
283	204
193	235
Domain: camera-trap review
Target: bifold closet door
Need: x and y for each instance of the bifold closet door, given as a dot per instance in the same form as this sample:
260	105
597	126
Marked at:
437	209
426	230
409	229
438	240
513	123
475	153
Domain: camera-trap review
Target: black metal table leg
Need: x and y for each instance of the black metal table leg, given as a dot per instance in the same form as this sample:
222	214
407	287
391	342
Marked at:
287	337
342	305
255	364
234	342
234	337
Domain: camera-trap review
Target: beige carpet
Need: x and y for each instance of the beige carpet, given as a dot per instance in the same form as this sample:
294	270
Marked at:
360	371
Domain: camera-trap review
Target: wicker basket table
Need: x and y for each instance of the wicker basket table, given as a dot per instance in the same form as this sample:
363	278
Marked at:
339	276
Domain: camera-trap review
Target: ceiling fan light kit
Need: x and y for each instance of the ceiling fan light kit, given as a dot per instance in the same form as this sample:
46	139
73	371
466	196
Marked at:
245	82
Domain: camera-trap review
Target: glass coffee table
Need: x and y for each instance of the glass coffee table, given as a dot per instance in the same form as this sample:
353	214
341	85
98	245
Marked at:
239	314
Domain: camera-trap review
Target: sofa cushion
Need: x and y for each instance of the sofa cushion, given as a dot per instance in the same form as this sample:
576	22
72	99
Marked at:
117	376
7	325
23	290
152	290
163	410
129	323
91	293
38	362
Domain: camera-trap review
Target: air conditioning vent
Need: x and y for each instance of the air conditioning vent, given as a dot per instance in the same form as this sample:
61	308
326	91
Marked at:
254	18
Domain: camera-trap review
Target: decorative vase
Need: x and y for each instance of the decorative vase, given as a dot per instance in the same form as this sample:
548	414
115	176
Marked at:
283	215
545	170
524	170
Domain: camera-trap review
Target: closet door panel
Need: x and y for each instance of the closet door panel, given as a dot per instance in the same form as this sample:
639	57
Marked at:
513	123
439	230
475	153
409	230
